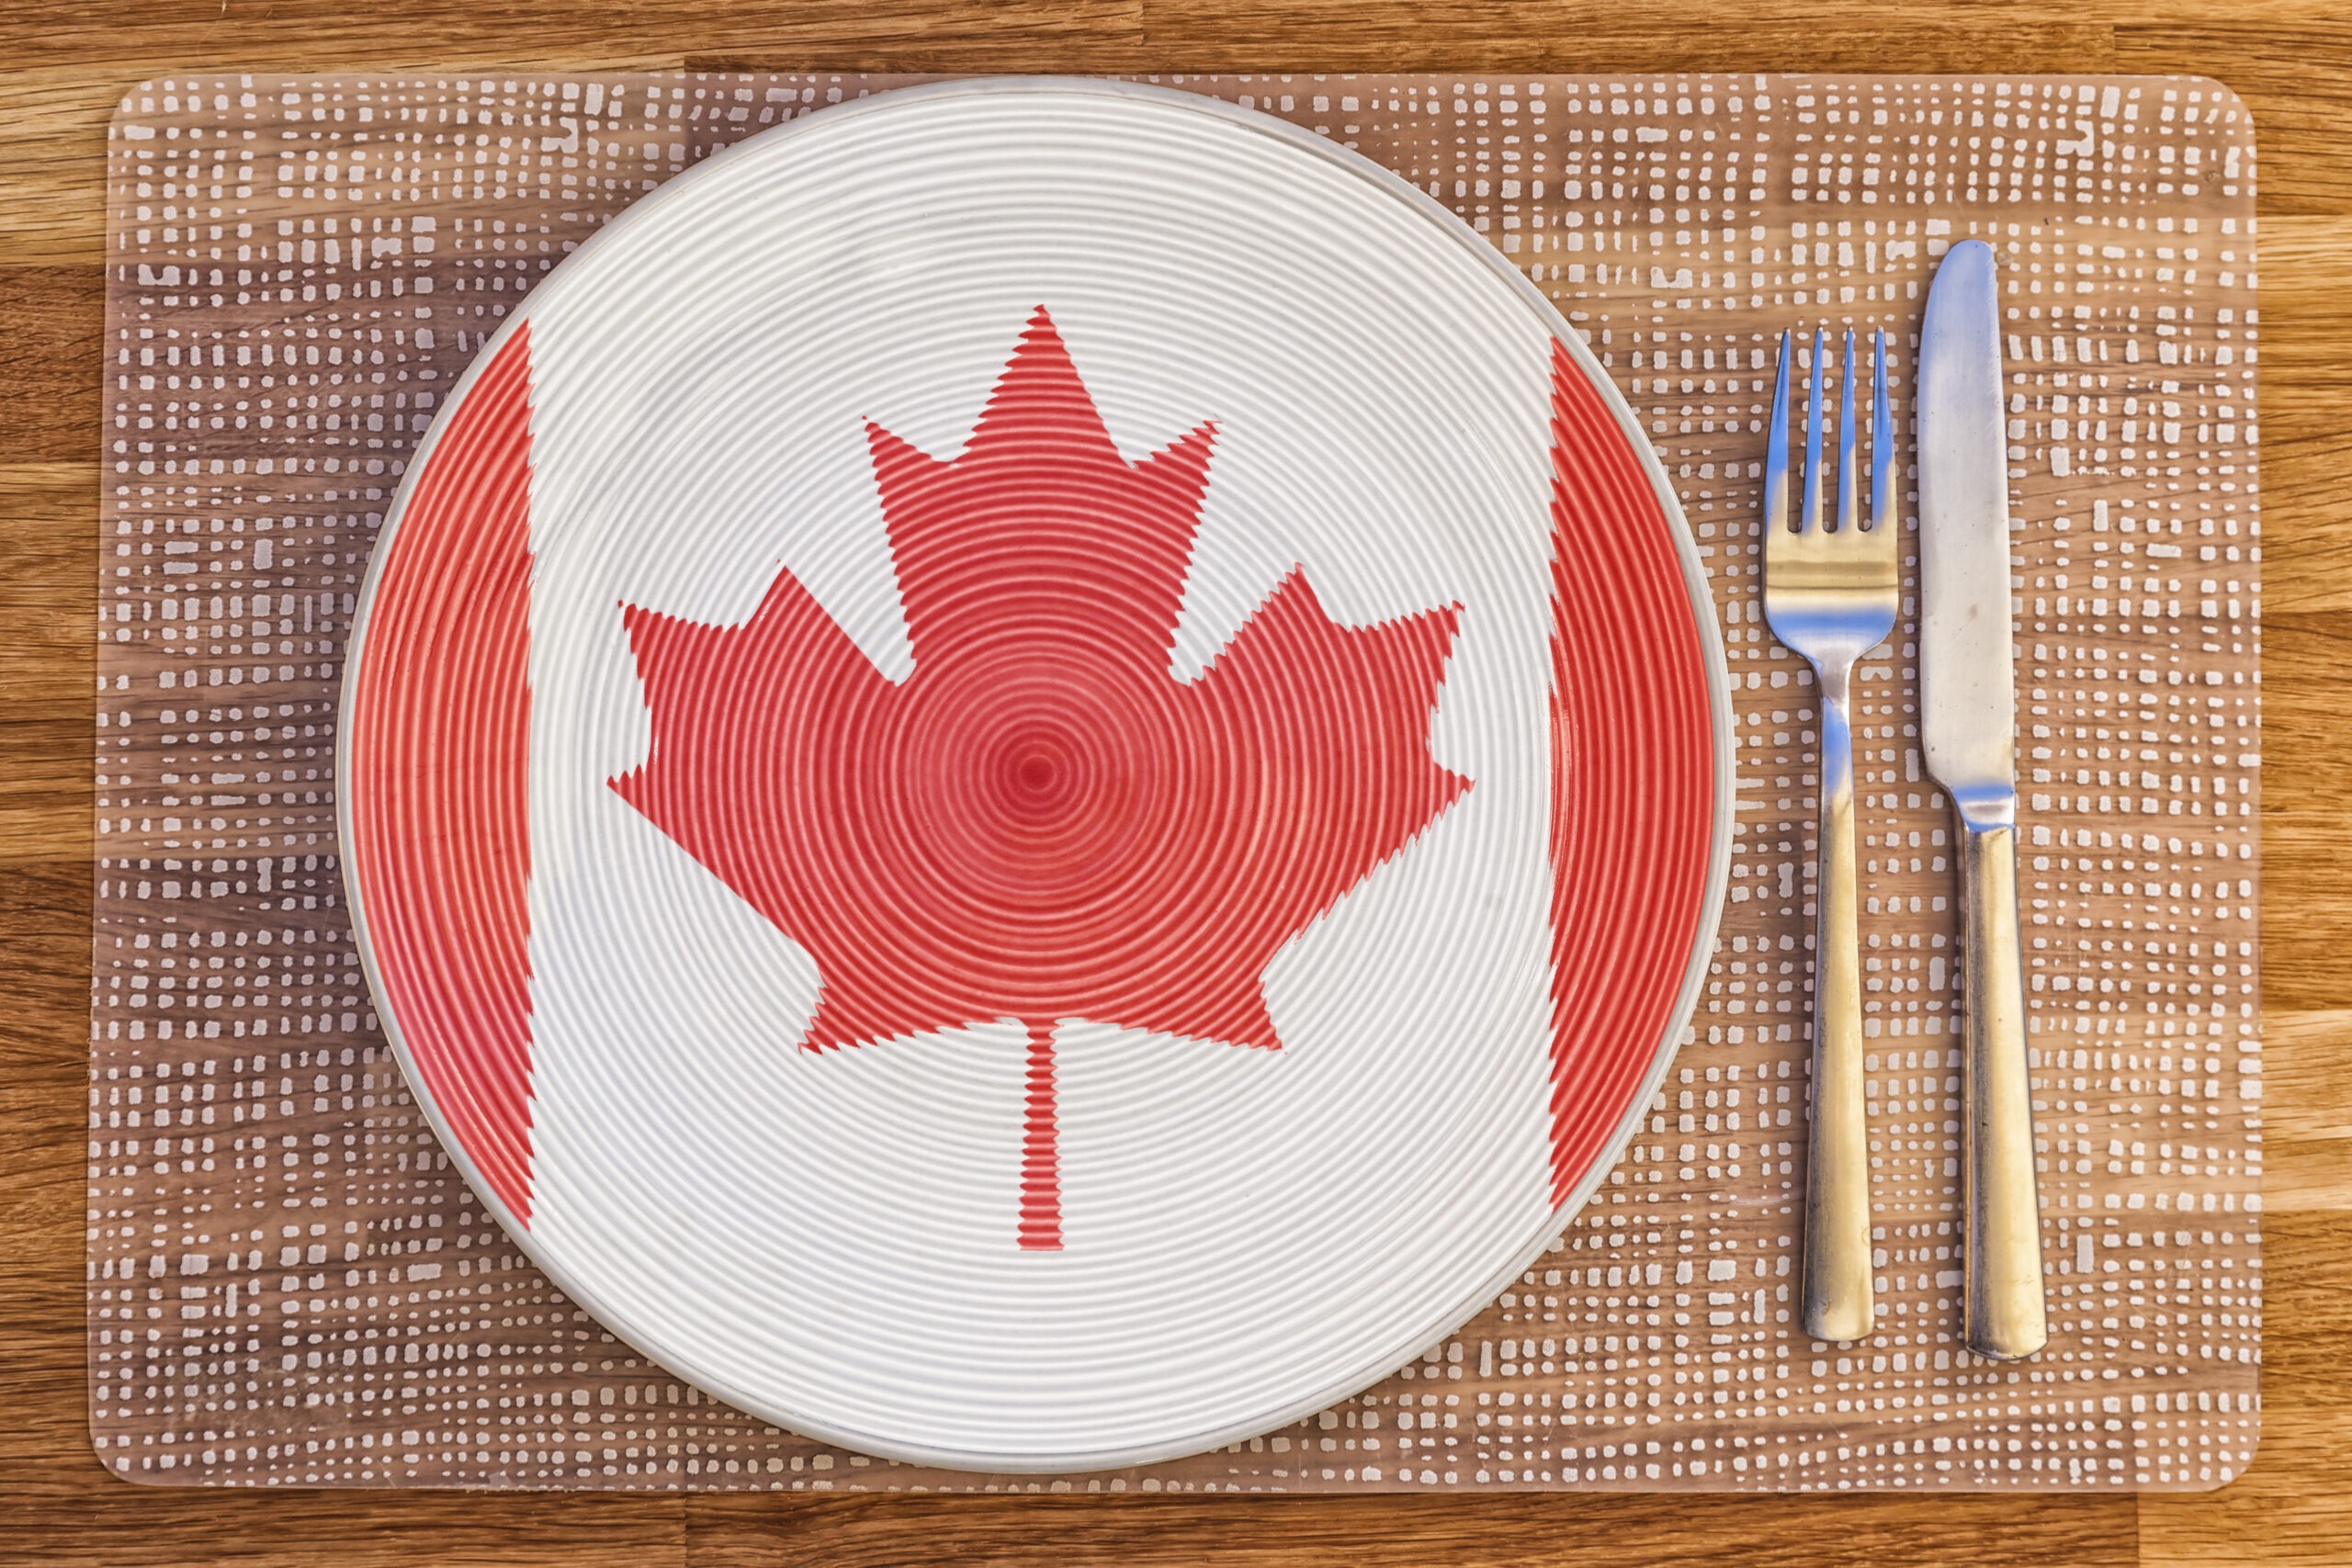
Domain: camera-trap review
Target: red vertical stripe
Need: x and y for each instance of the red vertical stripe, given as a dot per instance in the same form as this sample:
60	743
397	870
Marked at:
1041	1178
1633	775
440	718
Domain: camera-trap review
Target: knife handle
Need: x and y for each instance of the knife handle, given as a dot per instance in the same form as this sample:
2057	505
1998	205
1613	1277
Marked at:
1838	1303
2004	1314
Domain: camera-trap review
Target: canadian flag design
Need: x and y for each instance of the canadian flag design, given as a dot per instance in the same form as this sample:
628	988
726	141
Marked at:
1032	774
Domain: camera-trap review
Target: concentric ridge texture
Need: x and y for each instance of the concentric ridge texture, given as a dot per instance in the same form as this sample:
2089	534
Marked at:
1104	822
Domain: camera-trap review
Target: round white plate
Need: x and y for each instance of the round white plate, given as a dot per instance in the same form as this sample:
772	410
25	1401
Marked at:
1034	774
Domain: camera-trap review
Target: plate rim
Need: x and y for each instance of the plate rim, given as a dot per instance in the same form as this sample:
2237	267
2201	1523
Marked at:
1705	933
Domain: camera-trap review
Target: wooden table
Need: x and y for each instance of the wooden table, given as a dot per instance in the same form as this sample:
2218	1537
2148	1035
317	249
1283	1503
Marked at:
62	67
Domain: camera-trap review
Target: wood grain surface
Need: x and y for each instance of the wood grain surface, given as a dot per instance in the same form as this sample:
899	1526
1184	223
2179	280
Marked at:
62	68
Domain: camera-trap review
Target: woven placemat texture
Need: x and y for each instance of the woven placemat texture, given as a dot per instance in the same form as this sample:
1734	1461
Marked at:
289	1284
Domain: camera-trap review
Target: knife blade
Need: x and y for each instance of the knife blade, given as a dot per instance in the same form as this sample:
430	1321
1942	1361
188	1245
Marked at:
1968	723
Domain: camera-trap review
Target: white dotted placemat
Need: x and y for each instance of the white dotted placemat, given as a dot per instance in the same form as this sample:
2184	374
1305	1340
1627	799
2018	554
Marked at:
289	1285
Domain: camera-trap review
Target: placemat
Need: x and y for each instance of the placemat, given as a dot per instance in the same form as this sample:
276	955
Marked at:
289	1285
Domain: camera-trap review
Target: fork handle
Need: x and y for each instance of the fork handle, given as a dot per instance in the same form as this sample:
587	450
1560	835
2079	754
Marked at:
2003	1310
1837	1277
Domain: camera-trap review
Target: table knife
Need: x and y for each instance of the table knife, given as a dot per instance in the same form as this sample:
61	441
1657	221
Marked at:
1968	719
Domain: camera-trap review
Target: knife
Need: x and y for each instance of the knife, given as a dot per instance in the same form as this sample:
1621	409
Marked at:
1968	719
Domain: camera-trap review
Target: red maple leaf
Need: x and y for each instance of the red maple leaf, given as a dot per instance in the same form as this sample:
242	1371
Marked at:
1041	822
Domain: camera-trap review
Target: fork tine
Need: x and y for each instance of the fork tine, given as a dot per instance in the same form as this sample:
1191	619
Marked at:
1848	491
1811	523
1882	438
1777	444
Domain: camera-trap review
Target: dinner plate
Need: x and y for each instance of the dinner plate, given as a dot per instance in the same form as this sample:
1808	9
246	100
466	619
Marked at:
1034	774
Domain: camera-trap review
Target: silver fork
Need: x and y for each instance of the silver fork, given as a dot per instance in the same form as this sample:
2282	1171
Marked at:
1829	595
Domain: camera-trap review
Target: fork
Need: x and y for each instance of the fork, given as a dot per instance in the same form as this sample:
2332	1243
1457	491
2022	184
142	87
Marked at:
1829	595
